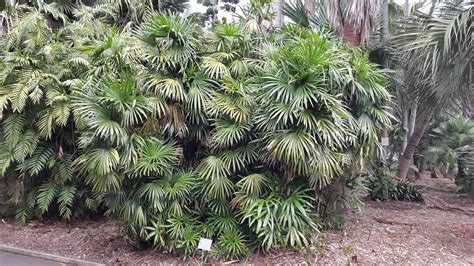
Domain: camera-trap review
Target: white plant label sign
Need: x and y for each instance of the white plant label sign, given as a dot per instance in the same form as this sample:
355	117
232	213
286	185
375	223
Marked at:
205	244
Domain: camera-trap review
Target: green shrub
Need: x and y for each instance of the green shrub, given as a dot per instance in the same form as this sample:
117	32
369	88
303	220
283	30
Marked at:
181	132
407	191
449	150
382	187
335	221
466	184
279	221
387	188
231	245
188	242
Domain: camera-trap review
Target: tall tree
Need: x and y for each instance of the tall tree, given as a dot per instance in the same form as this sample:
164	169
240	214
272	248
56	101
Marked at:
437	50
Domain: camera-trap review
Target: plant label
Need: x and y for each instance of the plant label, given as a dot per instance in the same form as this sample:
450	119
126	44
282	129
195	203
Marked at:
205	244
385	141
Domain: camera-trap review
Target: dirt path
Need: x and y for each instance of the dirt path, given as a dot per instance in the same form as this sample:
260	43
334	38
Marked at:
441	231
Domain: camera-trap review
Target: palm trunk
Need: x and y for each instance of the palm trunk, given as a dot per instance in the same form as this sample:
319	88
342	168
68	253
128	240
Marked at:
411	129
384	33
412	120
461	175
278	8
350	37
310	7
407	156
384	29
405	127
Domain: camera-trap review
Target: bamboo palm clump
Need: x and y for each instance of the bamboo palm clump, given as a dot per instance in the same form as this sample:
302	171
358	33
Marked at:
181	132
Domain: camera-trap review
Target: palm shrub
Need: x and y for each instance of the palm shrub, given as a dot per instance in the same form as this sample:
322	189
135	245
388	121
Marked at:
38	136
115	156
133	129
281	218
229	99
450	150
316	123
319	118
179	132
231	245
167	48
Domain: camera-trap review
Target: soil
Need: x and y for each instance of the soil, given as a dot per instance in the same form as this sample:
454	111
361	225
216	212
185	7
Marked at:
440	230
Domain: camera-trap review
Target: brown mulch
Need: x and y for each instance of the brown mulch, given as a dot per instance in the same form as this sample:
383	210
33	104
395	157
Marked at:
385	232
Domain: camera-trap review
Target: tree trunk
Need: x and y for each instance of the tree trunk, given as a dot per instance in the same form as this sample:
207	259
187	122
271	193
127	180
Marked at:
411	128
412	120
384	28
385	36
310	6
278	8
405	127
407	7
350	37
407	156
416	162
461	175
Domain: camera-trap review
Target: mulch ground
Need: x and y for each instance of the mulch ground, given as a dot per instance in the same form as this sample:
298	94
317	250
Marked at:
441	230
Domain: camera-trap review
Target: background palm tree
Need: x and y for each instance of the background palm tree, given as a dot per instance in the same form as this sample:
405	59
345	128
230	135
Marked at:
353	19
436	49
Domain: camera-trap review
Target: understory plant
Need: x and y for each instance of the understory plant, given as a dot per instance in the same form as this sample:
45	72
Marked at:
382	186
231	133
450	151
